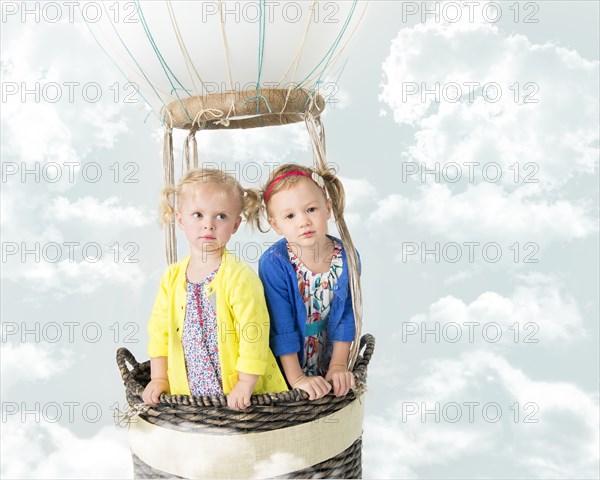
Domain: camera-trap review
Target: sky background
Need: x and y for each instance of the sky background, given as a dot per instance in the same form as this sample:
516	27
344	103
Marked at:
481	289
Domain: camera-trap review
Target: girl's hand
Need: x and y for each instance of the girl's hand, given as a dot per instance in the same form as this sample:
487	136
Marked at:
154	389
342	379
239	397
316	387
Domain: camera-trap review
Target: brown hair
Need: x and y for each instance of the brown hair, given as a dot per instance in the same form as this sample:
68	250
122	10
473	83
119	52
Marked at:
171	196
258	207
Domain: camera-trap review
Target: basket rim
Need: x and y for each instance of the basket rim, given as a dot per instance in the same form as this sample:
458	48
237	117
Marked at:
275	106
124	356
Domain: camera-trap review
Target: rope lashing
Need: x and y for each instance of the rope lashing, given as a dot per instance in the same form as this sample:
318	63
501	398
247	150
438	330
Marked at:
316	133
125	417
169	176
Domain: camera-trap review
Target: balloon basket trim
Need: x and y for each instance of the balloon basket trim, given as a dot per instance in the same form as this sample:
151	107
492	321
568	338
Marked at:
243	109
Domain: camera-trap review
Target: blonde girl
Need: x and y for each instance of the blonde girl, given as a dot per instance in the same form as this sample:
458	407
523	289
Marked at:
305	277
209	328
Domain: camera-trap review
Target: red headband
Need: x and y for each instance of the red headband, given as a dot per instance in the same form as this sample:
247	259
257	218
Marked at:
281	177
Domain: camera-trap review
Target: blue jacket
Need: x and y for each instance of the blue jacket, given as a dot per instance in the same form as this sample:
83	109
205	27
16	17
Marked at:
286	306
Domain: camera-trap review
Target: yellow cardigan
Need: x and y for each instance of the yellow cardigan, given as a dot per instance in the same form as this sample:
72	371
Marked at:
242	326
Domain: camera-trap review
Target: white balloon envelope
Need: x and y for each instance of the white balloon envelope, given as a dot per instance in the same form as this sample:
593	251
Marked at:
175	50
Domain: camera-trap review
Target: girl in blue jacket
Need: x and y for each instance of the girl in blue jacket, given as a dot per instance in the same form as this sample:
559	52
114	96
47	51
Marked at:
305	278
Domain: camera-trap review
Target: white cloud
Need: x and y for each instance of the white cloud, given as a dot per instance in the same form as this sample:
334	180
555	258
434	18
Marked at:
26	362
63	110
558	133
546	429
536	311
58	108
538	136
49	450
56	256
486	211
91	210
392	449
70	277
358	191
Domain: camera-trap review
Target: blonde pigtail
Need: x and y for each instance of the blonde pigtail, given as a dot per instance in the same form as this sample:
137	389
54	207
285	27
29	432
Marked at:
253	208
167	206
337	194
335	191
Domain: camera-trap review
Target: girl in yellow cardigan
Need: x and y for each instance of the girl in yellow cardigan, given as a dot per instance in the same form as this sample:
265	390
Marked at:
209	328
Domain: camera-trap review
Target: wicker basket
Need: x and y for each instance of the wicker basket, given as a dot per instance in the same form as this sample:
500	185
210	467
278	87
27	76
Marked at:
269	414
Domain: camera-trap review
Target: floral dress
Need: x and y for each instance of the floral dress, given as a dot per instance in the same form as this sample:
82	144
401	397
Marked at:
199	341
317	292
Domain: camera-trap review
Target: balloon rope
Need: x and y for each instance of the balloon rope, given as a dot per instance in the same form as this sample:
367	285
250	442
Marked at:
316	132
341	50
169	175
261	52
338	40
182	47
161	60
297	61
141	74
195	147
298	55
225	44
190	142
327	57
117	65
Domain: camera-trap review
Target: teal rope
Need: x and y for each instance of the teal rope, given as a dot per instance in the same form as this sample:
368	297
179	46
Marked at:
261	41
337	79
313	90
261	53
332	49
130	54
121	70
257	98
339	39
162	61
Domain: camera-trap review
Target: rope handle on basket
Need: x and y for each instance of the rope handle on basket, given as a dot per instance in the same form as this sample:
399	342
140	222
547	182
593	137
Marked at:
367	343
123	356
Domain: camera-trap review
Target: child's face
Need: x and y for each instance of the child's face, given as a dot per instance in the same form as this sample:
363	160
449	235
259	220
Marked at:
208	216
300	213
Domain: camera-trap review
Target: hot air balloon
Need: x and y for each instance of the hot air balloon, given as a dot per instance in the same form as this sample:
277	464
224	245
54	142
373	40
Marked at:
231	64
